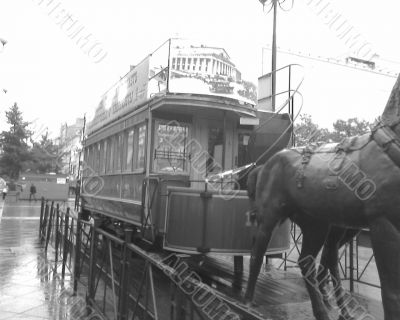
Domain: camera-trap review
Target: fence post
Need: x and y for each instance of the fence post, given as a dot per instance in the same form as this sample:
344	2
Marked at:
65	247
124	280
77	252
92	262
43	229
351	265
41	217
49	226
57	235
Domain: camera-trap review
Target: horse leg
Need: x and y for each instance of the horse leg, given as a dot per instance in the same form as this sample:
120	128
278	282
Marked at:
313	239
260	245
330	259
385	236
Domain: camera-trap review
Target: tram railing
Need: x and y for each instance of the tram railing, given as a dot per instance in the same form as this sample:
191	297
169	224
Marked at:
121	280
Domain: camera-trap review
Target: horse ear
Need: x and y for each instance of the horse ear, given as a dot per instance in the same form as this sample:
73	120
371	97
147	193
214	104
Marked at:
391	114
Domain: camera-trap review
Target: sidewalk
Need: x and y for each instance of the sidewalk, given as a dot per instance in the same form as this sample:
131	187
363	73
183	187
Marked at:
29	288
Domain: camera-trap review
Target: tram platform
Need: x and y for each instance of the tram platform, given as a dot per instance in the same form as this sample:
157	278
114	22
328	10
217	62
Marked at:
31	288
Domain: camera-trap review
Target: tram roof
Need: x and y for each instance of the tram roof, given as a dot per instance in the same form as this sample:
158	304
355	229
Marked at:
183	103
191	103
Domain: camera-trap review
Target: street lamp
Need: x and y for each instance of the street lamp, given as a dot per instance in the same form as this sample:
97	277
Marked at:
3	44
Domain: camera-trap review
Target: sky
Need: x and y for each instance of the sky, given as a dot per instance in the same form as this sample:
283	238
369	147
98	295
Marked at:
54	80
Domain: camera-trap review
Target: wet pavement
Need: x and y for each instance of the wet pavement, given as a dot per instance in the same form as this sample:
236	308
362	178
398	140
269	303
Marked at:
30	288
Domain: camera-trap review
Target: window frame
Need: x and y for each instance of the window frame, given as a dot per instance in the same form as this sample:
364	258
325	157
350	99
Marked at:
187	163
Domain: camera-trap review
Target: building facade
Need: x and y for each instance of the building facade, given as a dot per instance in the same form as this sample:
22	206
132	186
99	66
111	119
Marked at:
207	61
70	141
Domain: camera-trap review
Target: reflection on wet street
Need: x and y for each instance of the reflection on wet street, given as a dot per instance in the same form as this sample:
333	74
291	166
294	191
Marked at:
29	287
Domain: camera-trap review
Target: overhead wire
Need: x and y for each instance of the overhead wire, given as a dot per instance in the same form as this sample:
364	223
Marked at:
242	171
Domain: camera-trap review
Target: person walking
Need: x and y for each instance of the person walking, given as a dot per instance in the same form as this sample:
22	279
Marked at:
5	191
32	192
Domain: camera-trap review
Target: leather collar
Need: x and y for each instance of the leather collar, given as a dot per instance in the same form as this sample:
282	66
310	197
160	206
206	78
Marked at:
387	139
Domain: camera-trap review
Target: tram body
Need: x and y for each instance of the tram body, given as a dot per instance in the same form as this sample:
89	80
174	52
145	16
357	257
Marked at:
151	167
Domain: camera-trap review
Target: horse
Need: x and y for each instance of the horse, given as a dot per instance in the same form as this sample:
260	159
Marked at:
332	238
353	184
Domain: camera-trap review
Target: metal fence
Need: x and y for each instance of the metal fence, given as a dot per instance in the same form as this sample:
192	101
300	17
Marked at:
356	258
121	280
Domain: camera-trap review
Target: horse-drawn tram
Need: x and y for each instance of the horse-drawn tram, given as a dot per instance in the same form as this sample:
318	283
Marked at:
164	184
154	153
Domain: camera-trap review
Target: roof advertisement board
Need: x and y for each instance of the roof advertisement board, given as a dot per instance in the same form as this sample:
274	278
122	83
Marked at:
194	69
208	70
122	97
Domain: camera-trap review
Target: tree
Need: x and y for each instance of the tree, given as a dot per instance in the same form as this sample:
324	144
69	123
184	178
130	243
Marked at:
307	131
14	143
349	128
45	157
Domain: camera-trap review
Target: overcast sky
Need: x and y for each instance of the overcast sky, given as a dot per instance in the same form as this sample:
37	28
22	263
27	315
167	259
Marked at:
54	80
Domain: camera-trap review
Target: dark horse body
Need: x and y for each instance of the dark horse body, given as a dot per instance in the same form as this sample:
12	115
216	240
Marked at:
354	185
331	238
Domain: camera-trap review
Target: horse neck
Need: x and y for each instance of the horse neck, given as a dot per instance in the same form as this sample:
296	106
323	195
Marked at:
391	114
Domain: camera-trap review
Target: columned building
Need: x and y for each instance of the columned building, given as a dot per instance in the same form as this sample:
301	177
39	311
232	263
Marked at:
207	61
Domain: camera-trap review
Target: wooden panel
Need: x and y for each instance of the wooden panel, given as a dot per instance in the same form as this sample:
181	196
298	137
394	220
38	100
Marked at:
128	211
218	223
132	186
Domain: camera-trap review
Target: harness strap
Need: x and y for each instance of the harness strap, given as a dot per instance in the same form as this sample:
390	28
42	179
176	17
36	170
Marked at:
388	141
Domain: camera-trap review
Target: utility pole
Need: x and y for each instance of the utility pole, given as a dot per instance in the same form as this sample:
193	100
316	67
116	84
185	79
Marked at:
274	7
273	67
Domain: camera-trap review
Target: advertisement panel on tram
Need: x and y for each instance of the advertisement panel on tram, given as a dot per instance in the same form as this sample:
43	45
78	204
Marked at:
203	69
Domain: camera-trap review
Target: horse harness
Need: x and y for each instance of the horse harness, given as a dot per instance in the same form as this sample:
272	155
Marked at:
387	139
383	135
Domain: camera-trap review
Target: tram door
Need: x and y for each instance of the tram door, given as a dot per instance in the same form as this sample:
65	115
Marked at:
243	157
213	151
243	142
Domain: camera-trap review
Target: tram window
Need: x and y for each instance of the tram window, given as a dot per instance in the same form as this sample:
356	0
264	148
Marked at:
93	158
141	149
170	154
97	158
215	149
110	161
117	152
86	155
90	158
103	156
129	151
107	148
243	142
124	149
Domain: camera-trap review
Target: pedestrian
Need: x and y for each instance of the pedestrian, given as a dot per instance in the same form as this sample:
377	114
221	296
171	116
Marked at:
5	191
32	192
